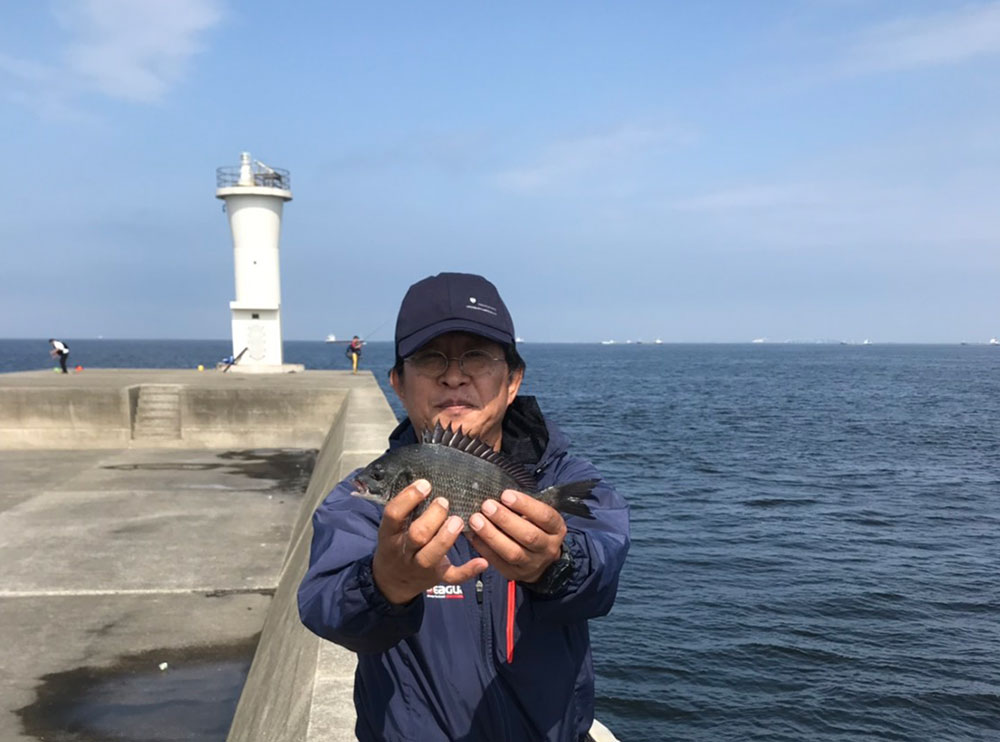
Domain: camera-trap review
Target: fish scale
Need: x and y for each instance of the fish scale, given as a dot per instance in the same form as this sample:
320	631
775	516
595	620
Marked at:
464	470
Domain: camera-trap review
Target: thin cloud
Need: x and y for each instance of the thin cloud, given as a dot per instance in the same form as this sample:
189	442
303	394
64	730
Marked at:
948	212
589	156
751	197
44	89
133	50
25	70
454	151
934	40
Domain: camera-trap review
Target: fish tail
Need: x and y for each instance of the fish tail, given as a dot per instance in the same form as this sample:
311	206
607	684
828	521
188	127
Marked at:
569	498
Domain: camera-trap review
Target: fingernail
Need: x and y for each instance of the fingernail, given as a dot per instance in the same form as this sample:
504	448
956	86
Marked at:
442	502
476	521
508	497
489	507
423	486
454	524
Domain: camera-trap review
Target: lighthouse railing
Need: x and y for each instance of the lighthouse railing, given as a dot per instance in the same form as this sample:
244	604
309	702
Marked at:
227	177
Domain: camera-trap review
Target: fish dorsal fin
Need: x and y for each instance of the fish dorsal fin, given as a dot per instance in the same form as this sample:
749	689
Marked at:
473	446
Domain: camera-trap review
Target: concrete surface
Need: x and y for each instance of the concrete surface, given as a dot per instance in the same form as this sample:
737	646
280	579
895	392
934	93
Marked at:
49	636
109	556
102	557
132	516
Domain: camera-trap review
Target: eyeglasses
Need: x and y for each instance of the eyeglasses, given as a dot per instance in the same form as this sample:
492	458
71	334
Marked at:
470	363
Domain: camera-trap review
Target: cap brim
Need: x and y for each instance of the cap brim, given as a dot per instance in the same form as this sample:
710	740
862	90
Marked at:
412	343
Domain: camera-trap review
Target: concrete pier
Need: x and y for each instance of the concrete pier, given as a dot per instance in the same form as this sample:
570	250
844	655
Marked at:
135	533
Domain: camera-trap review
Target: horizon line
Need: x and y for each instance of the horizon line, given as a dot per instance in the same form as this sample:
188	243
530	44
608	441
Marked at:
548	342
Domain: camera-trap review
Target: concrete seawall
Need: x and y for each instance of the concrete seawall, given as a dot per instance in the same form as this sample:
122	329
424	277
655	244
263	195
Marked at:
105	409
301	687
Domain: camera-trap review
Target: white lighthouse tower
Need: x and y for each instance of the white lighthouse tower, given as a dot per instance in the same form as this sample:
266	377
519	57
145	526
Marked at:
255	194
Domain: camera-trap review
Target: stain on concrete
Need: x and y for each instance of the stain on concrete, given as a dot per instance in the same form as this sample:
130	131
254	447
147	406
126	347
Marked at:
172	466
106	628
289	469
140	529
133	700
267	592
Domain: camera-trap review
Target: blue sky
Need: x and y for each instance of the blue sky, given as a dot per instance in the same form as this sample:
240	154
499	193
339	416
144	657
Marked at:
713	171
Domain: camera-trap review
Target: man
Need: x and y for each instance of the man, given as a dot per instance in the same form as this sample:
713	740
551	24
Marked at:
472	637
354	352
61	351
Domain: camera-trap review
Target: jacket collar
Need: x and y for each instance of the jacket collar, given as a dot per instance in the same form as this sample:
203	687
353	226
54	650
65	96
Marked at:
528	438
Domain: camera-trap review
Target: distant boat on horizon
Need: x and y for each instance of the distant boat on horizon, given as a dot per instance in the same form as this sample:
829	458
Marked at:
994	341
331	338
607	342
759	340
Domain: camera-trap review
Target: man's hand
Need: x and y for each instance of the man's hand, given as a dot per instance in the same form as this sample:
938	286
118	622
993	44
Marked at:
519	535
408	560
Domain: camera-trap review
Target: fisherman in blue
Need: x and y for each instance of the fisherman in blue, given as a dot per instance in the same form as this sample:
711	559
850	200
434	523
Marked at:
478	633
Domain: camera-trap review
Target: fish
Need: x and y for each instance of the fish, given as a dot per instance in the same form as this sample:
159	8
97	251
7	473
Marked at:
464	470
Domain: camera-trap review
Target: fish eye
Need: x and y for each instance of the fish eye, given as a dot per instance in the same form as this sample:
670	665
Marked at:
378	472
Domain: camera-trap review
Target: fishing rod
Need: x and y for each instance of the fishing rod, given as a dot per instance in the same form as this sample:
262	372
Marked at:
365	337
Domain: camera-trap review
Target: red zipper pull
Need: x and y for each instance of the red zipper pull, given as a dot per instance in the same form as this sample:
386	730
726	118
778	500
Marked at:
511	606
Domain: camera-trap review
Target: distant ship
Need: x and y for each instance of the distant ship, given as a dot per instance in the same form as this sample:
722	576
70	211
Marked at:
759	340
331	338
518	340
607	342
867	342
994	341
658	341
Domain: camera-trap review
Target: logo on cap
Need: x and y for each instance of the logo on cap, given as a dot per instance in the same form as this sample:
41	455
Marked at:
474	303
480	307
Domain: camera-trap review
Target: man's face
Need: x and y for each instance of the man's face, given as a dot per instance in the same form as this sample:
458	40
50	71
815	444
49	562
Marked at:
477	404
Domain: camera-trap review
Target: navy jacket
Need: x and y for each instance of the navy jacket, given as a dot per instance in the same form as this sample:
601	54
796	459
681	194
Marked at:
484	661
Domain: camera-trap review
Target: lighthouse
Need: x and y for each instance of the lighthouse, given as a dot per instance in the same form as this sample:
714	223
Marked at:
254	196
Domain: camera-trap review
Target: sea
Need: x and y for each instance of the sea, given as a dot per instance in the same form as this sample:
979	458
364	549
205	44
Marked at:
815	528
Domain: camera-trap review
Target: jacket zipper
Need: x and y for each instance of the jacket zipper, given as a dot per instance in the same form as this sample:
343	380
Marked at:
484	614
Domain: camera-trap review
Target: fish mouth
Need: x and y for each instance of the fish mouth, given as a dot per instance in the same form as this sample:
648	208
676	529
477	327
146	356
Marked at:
361	486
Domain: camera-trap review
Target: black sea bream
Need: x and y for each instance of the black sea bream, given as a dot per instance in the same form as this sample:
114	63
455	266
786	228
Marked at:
465	471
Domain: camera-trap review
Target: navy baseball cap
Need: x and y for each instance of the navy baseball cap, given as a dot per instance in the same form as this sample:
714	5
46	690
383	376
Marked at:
450	302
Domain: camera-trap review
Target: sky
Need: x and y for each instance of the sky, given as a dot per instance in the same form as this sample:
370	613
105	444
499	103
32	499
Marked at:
695	172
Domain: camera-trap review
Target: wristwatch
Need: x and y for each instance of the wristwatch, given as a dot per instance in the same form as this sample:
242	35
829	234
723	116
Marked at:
555	575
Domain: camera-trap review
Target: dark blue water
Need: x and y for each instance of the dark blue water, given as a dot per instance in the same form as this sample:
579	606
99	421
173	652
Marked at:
816	529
